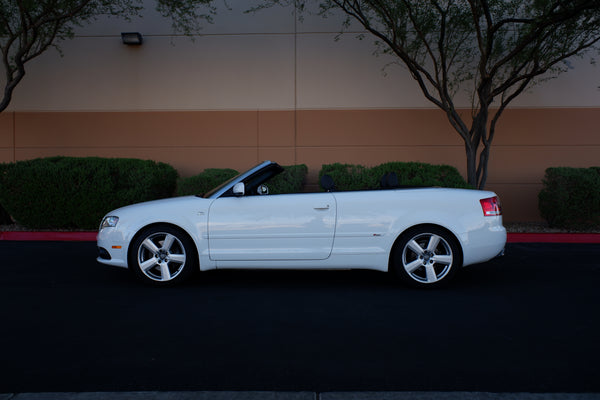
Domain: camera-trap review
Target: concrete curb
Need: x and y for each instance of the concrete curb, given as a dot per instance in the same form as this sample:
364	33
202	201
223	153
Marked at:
593	238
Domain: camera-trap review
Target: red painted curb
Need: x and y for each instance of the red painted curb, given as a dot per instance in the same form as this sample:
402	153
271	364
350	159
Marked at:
49	236
553	238
511	237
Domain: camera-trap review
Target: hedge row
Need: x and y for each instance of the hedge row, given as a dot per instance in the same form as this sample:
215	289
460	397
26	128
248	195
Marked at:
570	198
205	181
358	177
74	193
291	180
67	193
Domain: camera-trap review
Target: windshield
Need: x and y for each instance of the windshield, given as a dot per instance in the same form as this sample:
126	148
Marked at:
221	187
211	192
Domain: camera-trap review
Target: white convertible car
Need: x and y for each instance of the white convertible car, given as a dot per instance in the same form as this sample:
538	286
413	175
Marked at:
423	235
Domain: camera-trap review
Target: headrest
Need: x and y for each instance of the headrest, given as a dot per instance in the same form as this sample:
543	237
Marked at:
327	183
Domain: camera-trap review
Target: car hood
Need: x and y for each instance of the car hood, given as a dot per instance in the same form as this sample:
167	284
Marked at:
173	203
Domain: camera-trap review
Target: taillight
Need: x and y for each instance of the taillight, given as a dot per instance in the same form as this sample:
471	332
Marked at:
491	206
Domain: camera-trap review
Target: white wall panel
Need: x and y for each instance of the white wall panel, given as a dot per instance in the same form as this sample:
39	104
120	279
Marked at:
578	87
244	61
346	74
231	17
165	73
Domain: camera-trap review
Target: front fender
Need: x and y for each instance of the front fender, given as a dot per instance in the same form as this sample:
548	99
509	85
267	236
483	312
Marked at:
191	216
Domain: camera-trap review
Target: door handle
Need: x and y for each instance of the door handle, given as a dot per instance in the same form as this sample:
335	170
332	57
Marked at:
322	208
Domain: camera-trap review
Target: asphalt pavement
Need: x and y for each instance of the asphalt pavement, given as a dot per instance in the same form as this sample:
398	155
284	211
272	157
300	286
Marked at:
230	395
522	326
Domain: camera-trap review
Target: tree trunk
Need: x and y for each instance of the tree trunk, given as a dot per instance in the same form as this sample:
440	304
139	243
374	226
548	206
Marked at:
471	153
9	87
477	161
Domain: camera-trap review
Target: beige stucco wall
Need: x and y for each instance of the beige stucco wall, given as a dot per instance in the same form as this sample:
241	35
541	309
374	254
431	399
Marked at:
268	86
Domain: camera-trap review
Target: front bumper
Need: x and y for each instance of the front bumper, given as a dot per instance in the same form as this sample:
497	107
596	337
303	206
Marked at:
104	254
112	248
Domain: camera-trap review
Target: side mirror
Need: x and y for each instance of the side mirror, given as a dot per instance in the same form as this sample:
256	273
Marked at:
239	189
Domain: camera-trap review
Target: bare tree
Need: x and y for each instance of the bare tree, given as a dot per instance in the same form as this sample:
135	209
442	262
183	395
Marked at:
496	49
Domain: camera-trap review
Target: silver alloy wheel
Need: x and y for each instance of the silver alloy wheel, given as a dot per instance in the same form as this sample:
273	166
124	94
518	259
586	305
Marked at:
161	256
427	258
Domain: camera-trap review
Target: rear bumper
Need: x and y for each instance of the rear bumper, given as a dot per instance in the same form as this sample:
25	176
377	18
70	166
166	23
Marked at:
483	244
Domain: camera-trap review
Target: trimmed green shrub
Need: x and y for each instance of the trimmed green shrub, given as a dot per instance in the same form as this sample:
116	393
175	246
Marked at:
421	174
570	198
4	217
205	181
358	177
75	193
291	180
349	176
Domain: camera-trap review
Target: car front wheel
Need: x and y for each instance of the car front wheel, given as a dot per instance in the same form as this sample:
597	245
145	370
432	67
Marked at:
162	255
426	257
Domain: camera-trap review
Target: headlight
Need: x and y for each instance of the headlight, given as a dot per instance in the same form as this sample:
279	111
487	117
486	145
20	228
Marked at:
109	222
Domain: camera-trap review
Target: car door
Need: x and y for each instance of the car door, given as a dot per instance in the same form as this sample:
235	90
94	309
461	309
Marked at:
275	227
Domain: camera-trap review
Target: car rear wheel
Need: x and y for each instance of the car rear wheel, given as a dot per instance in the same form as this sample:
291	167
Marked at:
162	255
426	257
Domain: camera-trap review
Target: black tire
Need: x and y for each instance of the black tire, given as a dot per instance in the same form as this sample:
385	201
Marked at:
162	256
426	257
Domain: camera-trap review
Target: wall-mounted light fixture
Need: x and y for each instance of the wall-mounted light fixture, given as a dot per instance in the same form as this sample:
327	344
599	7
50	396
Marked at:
131	38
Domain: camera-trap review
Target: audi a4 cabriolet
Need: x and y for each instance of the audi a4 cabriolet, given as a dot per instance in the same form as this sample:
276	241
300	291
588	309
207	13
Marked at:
421	235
